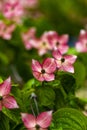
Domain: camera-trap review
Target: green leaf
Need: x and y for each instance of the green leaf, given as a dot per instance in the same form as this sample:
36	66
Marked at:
1	80
67	81
46	96
69	119
4	122
13	114
80	73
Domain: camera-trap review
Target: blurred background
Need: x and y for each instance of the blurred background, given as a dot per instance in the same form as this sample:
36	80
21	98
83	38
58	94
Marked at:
64	16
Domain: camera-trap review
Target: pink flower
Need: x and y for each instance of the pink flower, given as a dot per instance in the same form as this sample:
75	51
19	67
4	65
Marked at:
43	45
5	99
29	38
42	121
44	71
13	10
57	42
81	44
29	3
6	30
64	63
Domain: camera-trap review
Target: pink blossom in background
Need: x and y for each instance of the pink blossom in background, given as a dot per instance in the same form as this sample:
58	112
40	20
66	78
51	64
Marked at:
42	121
6	100
29	3
81	44
6	30
64	62
29	39
43	45
44	71
57	42
13	10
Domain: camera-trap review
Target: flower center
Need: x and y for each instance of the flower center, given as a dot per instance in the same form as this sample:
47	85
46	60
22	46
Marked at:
44	43
57	44
1	98
62	60
42	71
37	127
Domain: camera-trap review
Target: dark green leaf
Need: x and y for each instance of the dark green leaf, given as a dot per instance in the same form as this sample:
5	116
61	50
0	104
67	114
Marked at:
69	119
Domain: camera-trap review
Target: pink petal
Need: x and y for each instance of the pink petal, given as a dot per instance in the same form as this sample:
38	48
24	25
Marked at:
49	65
28	120
70	58
38	76
1	105
63	48
32	129
57	55
5	87
7	36
63	38
44	119
67	68
36	66
42	51
48	77
58	63
10	102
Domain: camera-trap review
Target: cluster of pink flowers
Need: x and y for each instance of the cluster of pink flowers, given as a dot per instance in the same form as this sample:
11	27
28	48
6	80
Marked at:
81	44
6	30
12	10
42	121
15	10
45	71
49	41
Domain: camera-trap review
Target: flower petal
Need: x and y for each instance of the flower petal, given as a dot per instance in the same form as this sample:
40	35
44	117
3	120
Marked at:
44	119
70	58
63	39
49	77
38	76
36	66
57	55
5	87
32	129
28	120
10	102
67	68
49	65
63	48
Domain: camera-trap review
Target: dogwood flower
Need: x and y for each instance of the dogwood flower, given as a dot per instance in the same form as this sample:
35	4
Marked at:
81	44
41	122
43	45
57	42
44	71
6	30
64	62
13	10
6	100
29	38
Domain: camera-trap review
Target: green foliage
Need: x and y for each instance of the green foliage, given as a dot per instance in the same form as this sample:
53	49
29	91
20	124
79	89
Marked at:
80	74
4	122
14	115
46	96
69	119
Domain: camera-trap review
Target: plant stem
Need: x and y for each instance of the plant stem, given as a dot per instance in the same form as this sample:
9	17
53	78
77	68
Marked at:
63	92
33	96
